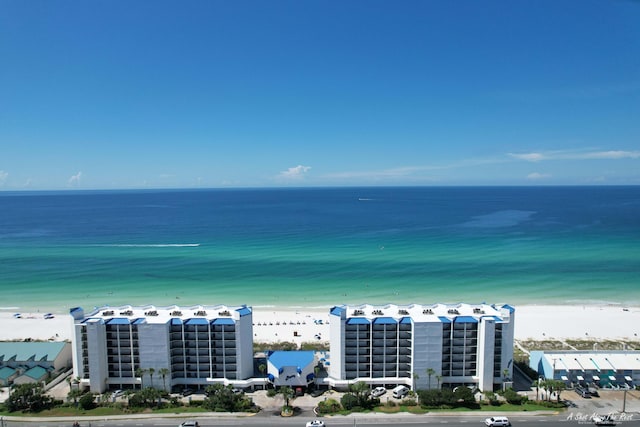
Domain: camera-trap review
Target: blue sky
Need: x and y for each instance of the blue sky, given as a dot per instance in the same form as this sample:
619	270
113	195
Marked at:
165	94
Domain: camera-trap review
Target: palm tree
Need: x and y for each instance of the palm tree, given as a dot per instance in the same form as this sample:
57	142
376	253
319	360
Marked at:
316	371
430	372
140	373
416	377
164	372
287	394
151	372
263	369
439	378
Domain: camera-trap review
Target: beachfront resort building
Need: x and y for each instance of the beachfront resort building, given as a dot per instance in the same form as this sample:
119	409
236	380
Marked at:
421	346
601	368
164	347
173	348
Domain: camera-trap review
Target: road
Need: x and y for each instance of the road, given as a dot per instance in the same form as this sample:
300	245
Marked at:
467	420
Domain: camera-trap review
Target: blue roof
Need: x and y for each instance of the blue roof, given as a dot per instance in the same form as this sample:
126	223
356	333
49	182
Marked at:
244	311
299	359
337	311
466	319
140	320
444	319
510	308
406	320
223	321
176	321
37	372
357	321
6	372
196	321
384	320
118	321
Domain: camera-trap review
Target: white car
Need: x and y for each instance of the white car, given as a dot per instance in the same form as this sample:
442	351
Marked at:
315	423
117	393
497	422
378	391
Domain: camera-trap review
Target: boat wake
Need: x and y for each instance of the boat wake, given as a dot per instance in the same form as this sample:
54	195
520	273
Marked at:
151	245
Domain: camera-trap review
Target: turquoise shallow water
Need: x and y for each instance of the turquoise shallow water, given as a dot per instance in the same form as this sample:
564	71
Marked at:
320	247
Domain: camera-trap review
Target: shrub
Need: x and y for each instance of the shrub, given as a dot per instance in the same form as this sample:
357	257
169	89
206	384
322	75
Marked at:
329	406
513	397
409	402
87	401
349	401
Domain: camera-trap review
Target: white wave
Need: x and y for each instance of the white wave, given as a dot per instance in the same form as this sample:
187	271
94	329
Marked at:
152	245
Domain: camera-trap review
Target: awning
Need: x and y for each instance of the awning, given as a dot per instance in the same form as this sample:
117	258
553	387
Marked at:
580	378
564	378
596	378
628	378
612	378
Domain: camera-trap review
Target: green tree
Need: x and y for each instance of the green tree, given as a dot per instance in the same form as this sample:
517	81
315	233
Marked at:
163	373
430	372
349	401
263	370
512	397
151	372
145	398
430	398
439	378
287	394
464	397
140	374
74	394
87	401
223	399
28	397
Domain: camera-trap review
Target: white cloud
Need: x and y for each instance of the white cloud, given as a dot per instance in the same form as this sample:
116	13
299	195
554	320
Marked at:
576	155
294	173
612	155
3	177
75	179
537	175
531	157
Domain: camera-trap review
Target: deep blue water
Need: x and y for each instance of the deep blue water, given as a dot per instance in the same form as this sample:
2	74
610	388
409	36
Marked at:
318	247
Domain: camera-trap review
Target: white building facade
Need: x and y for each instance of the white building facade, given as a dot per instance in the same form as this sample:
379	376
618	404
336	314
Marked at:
162	347
604	368
422	346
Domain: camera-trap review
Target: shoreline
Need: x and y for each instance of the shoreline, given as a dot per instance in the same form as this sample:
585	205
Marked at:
300	324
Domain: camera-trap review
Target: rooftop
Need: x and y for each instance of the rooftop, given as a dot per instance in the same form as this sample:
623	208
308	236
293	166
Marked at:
424	313
30	351
196	314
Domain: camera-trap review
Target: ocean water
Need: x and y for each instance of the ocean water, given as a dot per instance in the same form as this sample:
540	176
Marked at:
320	247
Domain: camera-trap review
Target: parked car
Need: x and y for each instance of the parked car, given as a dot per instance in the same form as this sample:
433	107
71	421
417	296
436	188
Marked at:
187	392
317	392
189	424
315	423
117	393
378	391
400	391
582	392
497	422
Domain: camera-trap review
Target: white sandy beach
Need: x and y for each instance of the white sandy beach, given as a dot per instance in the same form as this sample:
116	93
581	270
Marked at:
303	325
